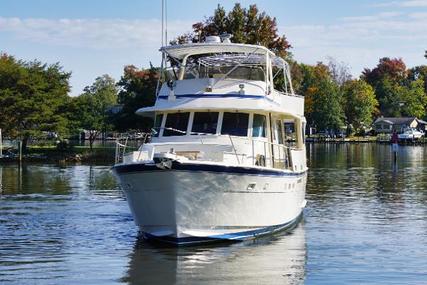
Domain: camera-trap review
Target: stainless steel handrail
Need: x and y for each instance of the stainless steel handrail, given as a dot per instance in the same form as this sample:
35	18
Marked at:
280	158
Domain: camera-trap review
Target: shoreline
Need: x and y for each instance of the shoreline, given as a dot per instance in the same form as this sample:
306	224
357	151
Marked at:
73	155
363	140
106	154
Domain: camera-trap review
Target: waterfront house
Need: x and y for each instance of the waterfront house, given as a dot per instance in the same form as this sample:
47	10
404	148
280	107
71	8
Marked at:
388	124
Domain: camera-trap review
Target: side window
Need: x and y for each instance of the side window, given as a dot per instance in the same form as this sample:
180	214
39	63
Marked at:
176	124
259	126
289	130
157	124
205	122
235	124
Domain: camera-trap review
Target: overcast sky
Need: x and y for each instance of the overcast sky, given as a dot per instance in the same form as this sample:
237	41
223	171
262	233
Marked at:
95	37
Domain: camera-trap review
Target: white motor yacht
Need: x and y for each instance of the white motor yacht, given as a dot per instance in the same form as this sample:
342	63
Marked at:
227	158
411	134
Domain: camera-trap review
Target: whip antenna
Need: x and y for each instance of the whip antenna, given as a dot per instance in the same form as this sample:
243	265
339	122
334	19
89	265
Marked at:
163	21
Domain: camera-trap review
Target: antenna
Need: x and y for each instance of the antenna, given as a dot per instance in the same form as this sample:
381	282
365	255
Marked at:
164	41
163	21
166	22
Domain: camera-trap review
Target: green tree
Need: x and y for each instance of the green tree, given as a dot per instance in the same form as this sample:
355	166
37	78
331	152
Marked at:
402	99
414	99
235	23
389	95
388	79
93	104
137	90
247	26
360	104
418	73
32	98
323	100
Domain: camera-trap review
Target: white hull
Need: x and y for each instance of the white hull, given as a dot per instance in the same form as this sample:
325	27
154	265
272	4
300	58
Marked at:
226	159
187	206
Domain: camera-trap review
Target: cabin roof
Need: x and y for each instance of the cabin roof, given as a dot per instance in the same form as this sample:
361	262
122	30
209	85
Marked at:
180	51
395	120
284	104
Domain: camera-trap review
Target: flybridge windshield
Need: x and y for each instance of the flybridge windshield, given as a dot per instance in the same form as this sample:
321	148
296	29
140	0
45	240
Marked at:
237	66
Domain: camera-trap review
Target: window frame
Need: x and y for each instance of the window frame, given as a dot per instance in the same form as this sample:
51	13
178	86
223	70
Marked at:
159	127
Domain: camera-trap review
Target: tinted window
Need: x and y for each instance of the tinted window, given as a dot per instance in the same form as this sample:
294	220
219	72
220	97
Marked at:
205	122
289	131
235	124
259	126
176	124
157	124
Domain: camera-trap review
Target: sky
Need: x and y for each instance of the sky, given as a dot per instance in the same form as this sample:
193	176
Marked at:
94	37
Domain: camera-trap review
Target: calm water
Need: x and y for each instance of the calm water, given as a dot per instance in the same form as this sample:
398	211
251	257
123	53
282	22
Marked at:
365	222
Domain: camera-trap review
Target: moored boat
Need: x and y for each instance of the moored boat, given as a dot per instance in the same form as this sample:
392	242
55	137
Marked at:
226	160
410	134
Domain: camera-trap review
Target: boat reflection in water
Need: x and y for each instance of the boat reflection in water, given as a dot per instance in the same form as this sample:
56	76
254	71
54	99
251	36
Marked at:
277	259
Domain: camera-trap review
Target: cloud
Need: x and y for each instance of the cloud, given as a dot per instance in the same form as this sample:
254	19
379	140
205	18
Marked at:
418	16
361	41
91	33
405	3
383	15
87	47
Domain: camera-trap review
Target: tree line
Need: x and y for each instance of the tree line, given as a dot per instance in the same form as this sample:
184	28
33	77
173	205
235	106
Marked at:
333	99
34	96
35	101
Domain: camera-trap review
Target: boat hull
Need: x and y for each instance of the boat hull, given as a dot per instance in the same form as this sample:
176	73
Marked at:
193	204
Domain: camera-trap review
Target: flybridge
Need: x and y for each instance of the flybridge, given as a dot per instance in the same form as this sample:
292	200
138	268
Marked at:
220	76
221	60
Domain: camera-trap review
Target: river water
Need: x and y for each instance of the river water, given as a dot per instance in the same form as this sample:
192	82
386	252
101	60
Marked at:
365	223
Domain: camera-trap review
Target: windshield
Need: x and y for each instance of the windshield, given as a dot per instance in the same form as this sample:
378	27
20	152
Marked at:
235	66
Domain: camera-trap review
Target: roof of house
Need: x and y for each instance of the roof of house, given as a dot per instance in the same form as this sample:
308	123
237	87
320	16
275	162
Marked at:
396	121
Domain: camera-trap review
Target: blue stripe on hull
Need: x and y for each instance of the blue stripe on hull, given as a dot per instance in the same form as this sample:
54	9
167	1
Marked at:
241	236
205	96
128	168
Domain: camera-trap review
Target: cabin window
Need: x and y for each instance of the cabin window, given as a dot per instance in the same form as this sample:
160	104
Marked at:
157	124
290	130
235	124
205	122
176	124
259	126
